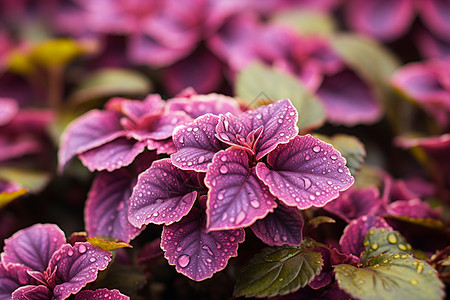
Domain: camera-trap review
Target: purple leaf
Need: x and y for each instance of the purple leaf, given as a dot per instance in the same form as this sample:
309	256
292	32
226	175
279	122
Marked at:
10	108
305	172
33	292
162	127
91	130
163	194
196	253
352	239
413	208
196	144
355	202
75	266
135	110
33	247
236	196
282	227
11	278
436	15
101	294
113	155
106	210
278	120
162	147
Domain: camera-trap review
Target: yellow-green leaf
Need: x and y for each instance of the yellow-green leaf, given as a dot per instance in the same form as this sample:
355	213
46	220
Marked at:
32	180
306	22
107	244
6	198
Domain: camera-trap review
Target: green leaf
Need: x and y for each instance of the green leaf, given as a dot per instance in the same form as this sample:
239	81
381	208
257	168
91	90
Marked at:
306	22
111	82
350	148
390	276
381	240
6	198
32	180
107	243
258	84
279	271
314	222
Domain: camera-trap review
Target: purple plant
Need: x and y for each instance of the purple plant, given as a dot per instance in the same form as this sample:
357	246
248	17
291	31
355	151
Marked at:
251	163
37	262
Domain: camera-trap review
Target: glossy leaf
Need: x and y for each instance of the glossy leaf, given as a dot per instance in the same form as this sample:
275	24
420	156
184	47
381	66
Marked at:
305	172
11	278
106	209
75	266
316	221
163	194
282	227
111	82
33	247
390	276
196	143
260	130
236	197
101	294
352	239
258	82
91	130
32	292
381	240
196	253
107	244
278	271
113	155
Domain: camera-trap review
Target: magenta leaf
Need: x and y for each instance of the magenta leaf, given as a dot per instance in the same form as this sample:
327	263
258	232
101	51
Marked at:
87	132
12	277
106	210
101	294
196	253
113	155
236	196
352	239
33	247
282	227
162	127
196	143
413	208
32	292
163	194
305	172
278	120
136	110
75	266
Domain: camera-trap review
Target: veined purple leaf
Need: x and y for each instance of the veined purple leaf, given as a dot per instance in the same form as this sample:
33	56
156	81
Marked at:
236	197
413	208
352	239
10	108
12	277
196	143
33	247
75	266
91	130
137	110
196	253
113	155
199	105
282	227
162	127
279	122
162	147
32	292
305	172
163	194
101	294
106	210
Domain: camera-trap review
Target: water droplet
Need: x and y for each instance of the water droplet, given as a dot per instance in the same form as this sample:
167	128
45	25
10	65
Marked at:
258	116
179	249
307	182
307	157
316	149
414	282
401	247
226	124
218	246
220	196
205	247
208	260
155	214
224	136
223	169
240	217
374	246
419	269
92	259
201	159
70	252
195	129
232	238
255	203
333	157
82	248
392	238
312	197
223	158
184	260
340	170
397	256
280	121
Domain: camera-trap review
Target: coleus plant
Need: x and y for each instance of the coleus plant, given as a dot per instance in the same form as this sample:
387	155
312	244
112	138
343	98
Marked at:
246	170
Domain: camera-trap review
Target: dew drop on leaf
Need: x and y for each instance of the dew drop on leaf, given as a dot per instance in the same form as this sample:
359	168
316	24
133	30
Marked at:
70	252
255	203
224	136
307	182
201	159
316	149
240	217
184	260
223	169
82	249
205	247
392	238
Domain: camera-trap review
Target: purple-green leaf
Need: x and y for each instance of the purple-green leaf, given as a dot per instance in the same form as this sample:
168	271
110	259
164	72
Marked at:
305	172
196	253
236	197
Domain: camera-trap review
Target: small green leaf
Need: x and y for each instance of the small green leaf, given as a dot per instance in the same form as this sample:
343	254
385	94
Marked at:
279	271
107	243
6	198
306	22
390	276
258	84
381	240
350	147
314	222
33	181
111	82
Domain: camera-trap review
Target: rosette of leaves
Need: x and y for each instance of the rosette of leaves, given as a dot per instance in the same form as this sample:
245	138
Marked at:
249	170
